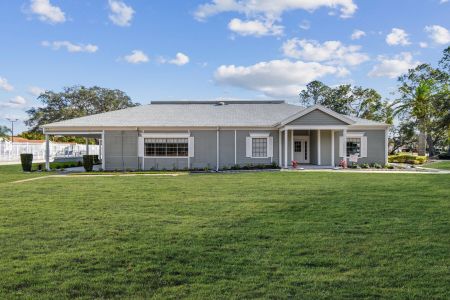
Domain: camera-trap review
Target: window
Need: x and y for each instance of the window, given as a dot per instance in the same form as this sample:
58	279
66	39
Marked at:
166	147
298	146
259	147
353	146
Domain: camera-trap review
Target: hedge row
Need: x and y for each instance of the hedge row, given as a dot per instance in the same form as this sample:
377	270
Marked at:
408	159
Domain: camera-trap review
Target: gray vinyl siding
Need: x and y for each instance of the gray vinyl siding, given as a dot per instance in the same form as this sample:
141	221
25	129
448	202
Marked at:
165	163
317	117
205	149
121	150
242	160
325	147
375	146
313	147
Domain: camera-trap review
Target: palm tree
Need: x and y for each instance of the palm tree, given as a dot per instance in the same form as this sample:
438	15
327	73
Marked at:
4	132
419	106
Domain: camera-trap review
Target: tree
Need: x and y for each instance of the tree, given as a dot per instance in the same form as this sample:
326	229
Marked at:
403	135
74	102
355	101
424	96
4	132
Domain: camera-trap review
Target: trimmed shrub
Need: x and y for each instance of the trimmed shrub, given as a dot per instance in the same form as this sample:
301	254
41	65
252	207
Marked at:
88	162
27	161
96	160
407	158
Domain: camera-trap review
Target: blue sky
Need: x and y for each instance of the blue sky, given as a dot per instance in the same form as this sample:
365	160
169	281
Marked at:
206	49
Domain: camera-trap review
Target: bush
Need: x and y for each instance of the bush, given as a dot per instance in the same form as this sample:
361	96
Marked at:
88	162
27	161
407	158
364	166
96	160
375	166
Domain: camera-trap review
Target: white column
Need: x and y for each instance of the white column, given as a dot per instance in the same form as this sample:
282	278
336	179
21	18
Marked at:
332	148
218	153
47	153
285	148
344	138
235	149
103	151
87	146
292	144
280	138
318	148
386	146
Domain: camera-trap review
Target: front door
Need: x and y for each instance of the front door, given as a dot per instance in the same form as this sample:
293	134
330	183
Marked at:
301	149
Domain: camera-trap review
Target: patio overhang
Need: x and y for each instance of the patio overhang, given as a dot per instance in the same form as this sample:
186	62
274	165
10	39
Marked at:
78	133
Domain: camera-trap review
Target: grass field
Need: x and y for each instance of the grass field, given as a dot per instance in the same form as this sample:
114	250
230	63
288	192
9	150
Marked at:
444	165
254	235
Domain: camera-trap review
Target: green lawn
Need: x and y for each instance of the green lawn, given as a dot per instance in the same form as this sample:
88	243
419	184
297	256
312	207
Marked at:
444	165
253	235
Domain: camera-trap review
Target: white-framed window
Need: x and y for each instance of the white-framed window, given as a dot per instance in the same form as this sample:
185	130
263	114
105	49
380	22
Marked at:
166	147
353	146
356	145
259	145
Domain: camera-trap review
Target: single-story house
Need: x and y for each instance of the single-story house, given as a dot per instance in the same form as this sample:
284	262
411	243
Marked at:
217	134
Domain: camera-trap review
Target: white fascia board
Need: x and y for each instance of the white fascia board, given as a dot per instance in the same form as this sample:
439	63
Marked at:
369	127
314	127
166	135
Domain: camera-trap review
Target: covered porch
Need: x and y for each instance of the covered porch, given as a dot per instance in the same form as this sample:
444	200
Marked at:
312	146
98	135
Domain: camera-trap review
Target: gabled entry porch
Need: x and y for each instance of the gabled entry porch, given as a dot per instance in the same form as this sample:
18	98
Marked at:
312	145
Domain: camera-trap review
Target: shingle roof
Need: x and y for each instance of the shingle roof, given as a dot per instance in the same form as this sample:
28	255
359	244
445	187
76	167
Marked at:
190	114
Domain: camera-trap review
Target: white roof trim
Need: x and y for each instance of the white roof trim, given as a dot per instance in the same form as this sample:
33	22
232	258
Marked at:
318	107
166	135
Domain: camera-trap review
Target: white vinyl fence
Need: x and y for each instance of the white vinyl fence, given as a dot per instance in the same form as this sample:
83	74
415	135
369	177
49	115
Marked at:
10	152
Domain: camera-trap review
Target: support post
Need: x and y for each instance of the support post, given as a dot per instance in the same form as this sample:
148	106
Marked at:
292	145
235	148
280	138
344	135
332	148
87	146
103	151
319	162
217	146
285	148
47	153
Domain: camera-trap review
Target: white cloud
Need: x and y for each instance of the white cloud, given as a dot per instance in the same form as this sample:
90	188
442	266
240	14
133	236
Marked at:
47	12
272	9
438	34
180	59
35	90
443	1
56	45
265	13
305	25
333	52
121	14
423	45
15	102
276	78
397	37
254	27
4	85
393	67
357	34
136	57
